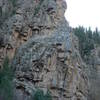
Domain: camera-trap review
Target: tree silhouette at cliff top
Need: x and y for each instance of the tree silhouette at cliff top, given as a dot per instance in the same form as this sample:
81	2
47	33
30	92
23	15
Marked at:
87	40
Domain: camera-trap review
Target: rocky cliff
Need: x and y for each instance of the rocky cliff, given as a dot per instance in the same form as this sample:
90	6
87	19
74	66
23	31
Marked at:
94	74
42	50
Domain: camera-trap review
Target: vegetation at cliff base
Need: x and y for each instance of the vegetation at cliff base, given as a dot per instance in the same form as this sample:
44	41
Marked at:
6	76
13	2
39	95
38	7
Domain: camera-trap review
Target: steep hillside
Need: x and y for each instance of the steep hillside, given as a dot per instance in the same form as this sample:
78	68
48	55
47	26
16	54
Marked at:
43	53
89	48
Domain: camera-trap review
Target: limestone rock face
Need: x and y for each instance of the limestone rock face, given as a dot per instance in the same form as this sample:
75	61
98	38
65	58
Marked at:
47	63
43	52
30	18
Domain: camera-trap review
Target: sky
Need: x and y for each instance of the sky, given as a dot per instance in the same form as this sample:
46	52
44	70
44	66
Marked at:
83	12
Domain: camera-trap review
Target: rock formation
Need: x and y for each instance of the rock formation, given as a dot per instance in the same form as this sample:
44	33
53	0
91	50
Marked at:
43	52
94	74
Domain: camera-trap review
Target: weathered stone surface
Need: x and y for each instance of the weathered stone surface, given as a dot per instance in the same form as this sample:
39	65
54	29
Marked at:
43	52
94	74
40	65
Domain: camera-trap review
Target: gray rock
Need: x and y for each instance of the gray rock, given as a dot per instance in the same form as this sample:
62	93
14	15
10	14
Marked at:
40	47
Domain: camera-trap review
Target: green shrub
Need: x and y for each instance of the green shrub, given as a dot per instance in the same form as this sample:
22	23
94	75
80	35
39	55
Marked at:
13	2
6	76
48	96
39	95
38	7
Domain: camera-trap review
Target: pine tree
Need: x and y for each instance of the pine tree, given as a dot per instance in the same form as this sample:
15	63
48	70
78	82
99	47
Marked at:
6	76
